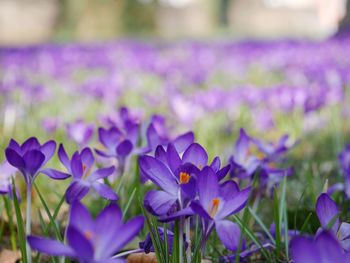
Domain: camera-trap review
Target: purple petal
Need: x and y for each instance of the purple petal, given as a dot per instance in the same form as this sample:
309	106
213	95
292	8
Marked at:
159	202
161	154
124	148
173	158
101	173
223	172
198	209
329	248
77	166
50	247
87	158
242	145
81	243
62	155
109	138
327	210
303	250
153	139
15	146
183	141
208	186
76	191
103	154
105	191
30	144
54	174
158	173
33	160
234	205
196	155
48	149
108	222
215	164
344	235
126	233
80	217
184	212
229	234
14	158
229	190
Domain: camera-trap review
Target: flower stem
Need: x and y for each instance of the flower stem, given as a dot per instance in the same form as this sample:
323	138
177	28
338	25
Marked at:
188	240
28	219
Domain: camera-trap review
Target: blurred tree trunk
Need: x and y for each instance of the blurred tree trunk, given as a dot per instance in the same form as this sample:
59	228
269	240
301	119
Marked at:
344	25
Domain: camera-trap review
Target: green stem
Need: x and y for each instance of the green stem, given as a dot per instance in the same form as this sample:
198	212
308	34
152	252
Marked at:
28	219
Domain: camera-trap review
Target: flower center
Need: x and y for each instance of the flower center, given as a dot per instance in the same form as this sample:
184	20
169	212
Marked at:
88	234
184	178
215	202
84	168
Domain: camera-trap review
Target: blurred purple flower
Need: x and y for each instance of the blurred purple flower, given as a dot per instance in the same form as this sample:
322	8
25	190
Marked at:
80	132
89	240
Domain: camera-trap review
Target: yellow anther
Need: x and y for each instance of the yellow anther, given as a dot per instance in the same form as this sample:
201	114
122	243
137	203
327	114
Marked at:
215	202
184	178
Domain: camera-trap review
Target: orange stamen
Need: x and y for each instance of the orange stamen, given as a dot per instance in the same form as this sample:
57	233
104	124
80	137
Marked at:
215	202
88	235
184	178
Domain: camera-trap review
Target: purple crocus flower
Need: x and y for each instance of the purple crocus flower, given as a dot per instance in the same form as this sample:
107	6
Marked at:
344	163
243	162
323	249
89	240
174	175
30	157
216	202
328	213
80	167
7	172
80	132
147	246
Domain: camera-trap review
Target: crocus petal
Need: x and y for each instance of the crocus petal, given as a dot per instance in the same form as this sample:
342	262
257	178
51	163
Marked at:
33	160
103	154
327	210
50	247
105	191
234	205
15	146
159	202
101	173
153	139
160	154
242	145
54	174
215	164
77	166
173	158
124	148
223	172
14	158
48	149
208	186
76	191
87	158
329	248
196	155
304	250
158	173
229	190
109	138
199	210
30	144
126	233
107	224
80	217
229	234
183	141
62	155
344	235
81	244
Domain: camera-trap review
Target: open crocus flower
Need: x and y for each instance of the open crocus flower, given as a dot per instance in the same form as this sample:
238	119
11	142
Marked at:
323	249
174	175
216	202
89	240
80	167
30	157
244	163
80	132
328	215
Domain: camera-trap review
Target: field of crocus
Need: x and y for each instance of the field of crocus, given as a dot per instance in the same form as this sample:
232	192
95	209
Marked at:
137	151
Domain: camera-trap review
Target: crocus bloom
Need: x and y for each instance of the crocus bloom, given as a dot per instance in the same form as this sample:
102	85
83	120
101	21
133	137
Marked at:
80	167
92	240
243	162
216	202
328	215
174	175
30	157
7	171
80	132
323	249
344	163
